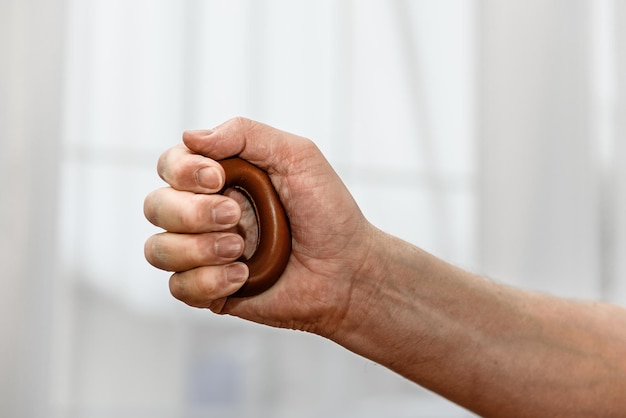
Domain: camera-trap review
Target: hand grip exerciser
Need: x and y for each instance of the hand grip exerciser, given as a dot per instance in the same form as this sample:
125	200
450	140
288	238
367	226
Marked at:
274	240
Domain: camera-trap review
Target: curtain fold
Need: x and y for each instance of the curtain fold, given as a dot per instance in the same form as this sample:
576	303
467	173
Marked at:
541	217
617	286
31	75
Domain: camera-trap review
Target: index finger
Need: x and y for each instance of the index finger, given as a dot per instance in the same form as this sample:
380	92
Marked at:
266	147
185	170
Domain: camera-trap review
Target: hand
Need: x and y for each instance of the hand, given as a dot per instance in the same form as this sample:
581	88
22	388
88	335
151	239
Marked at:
331	238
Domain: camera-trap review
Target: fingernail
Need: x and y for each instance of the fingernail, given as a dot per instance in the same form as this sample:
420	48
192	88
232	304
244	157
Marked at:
236	272
229	246
200	132
226	213
209	177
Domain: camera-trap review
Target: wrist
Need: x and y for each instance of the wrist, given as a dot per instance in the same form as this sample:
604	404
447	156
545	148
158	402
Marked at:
381	297
398	314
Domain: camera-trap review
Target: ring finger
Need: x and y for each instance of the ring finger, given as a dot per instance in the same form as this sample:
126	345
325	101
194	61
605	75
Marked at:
180	252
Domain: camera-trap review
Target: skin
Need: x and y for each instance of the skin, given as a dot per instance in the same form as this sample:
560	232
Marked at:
496	350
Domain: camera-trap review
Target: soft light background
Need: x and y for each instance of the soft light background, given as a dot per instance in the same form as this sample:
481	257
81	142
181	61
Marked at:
489	132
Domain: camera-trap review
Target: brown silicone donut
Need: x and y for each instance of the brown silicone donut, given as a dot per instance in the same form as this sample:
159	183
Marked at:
274	243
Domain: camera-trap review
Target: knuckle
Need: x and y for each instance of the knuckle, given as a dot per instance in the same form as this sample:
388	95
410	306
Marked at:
204	249
206	283
163	166
176	174
199	212
194	287
172	166
150	205
241	121
156	253
179	287
203	213
245	126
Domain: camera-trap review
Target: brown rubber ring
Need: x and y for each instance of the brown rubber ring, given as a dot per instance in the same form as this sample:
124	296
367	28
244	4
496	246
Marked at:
274	241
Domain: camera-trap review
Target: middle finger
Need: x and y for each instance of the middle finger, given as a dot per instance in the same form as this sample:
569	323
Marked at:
186	212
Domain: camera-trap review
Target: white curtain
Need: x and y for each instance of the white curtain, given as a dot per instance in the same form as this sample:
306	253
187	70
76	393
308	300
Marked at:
551	146
487	132
31	54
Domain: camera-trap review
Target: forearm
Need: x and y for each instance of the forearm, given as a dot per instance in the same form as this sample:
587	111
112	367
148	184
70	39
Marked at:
491	348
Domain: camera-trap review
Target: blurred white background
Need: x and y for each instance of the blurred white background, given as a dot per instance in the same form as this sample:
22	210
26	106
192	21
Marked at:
488	132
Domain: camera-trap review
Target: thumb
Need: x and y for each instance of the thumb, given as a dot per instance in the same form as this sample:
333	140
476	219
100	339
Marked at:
260	144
